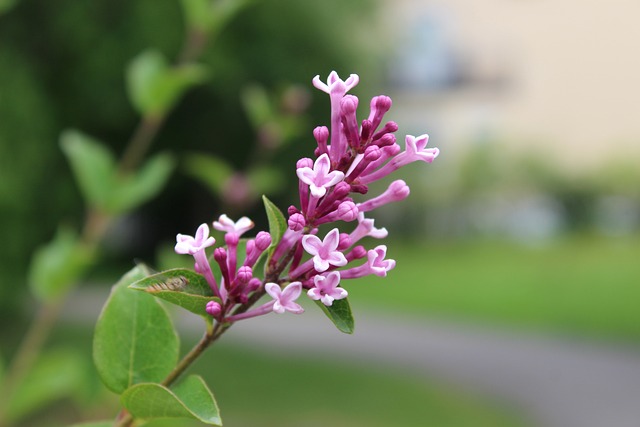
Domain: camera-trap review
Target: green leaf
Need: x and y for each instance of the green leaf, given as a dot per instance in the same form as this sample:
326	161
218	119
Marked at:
94	424
257	105
56	267
179	286
191	398
55	375
134	340
277	224
93	166
6	5
133	190
340	314
213	171
154	87
198	14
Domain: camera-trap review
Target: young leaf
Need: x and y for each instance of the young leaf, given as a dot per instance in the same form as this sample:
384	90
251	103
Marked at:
56	374
95	424
134	340
57	266
198	14
93	166
191	398
277	223
131	191
179	286
213	171
154	87
340	314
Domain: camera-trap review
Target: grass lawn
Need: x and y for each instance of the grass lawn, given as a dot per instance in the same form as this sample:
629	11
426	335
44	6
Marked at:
267	390
583	285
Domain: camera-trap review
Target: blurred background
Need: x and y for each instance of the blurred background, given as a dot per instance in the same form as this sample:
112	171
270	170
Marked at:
524	235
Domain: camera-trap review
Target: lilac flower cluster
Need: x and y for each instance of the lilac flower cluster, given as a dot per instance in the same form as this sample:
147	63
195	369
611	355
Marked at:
349	157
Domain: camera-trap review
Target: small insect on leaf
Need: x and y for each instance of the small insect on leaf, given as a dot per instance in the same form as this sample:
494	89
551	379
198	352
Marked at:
179	286
171	284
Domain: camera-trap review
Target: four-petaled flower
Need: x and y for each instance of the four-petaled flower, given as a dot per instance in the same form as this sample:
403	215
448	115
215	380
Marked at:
416	150
325	252
320	177
191	245
284	299
377	264
326	288
336	84
224	223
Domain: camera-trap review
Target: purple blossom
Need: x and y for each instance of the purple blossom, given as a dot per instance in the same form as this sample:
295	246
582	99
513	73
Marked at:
224	223
397	190
336	88
415	150
335	85
326	288
325	251
366	228
320	177
191	245
376	264
284	299
196	246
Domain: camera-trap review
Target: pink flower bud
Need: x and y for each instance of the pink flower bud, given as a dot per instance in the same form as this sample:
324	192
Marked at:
349	104
244	274
347	211
389	127
304	162
231	239
297	222
262	240
398	190
292	209
220	255
214	308
357	253
345	241
385	140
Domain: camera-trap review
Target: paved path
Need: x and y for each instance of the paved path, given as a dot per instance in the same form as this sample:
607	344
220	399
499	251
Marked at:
554	382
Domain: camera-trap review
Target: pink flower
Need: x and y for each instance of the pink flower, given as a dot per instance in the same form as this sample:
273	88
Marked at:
326	288
366	228
376	264
336	84
284	299
415	150
324	252
224	223
191	245
336	88
320	178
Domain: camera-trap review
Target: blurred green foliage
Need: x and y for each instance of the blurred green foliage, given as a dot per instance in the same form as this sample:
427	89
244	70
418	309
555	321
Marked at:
62	65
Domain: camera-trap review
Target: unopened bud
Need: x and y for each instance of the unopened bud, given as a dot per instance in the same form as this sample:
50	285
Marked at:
214	308
262	240
296	222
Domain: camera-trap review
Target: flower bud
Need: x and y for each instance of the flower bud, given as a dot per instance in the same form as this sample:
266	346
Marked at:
245	274
262	240
304	162
214	308
296	222
345	241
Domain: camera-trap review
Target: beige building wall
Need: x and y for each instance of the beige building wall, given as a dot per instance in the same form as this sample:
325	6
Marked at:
562	75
